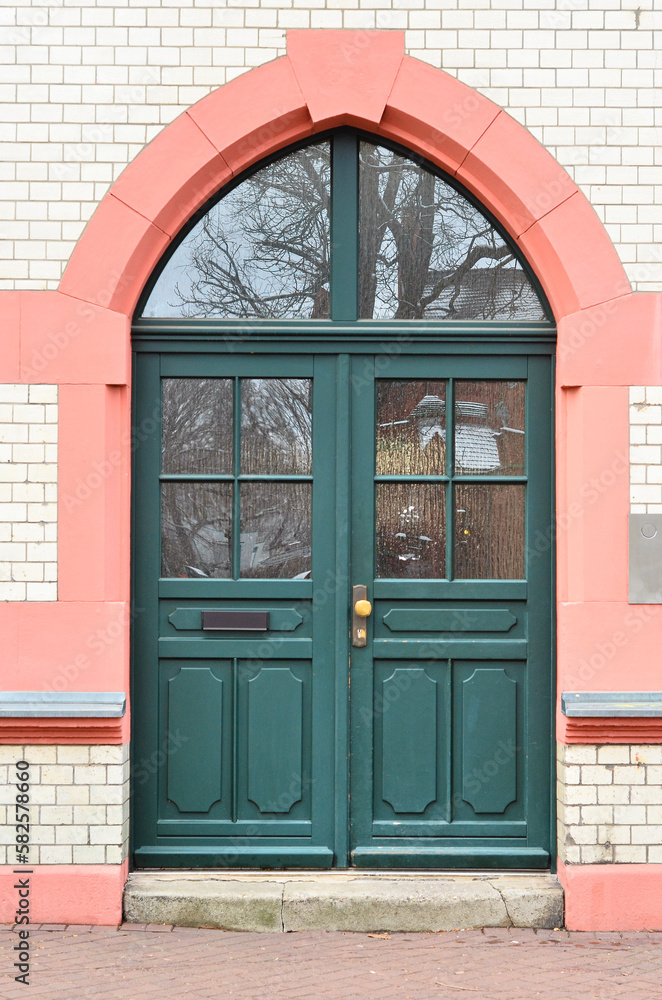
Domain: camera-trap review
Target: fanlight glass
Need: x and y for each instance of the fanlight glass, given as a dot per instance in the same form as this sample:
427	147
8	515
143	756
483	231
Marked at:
426	252
263	251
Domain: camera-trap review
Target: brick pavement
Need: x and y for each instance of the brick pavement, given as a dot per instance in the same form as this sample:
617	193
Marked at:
139	962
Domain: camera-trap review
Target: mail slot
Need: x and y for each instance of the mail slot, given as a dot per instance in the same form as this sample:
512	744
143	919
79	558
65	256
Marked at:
231	621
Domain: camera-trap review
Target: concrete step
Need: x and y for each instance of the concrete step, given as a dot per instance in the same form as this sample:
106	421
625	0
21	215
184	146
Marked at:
343	901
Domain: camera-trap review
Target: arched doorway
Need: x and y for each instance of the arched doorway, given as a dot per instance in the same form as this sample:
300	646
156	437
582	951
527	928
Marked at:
348	367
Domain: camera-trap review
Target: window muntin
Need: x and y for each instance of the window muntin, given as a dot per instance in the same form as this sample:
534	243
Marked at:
438	465
236	478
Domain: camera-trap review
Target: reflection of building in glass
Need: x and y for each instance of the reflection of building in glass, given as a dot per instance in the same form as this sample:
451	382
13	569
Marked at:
475	445
488	441
275	530
482	292
427	252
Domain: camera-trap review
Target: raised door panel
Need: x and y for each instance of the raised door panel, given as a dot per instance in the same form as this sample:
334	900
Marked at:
194	755
411	726
275	740
489	740
409	740
274	744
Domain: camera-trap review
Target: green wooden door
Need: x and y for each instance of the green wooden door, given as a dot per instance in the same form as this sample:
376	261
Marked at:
450	696
343	377
234	633
272	484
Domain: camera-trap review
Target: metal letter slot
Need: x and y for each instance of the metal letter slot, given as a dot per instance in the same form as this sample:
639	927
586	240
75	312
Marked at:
232	621
361	609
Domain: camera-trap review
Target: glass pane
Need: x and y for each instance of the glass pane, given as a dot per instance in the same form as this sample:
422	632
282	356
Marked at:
489	428
411	428
489	532
275	530
261	251
276	426
196	520
411	530
197	425
426	252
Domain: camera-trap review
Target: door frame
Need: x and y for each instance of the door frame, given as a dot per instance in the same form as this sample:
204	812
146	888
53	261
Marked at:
457	339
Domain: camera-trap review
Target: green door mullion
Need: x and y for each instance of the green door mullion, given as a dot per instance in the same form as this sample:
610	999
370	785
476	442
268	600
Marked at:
343	589
236	467
329	609
450	469
235	740
362	719
344	228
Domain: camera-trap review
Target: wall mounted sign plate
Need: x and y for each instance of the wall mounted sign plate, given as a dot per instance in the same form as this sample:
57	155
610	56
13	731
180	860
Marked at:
645	559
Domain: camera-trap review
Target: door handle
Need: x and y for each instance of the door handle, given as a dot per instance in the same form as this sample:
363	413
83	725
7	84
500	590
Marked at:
361	609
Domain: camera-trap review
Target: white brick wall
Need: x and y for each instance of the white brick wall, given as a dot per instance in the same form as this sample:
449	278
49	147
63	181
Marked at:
79	803
609	807
645	449
85	86
28	492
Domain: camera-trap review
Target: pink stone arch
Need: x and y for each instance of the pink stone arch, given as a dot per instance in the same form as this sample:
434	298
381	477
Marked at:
364	79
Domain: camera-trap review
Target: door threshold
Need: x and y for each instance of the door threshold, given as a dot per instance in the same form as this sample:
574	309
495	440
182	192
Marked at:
343	900
286	874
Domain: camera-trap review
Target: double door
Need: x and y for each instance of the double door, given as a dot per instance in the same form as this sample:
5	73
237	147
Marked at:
273	725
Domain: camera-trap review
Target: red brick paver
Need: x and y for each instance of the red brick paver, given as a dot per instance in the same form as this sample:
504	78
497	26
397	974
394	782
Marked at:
138	962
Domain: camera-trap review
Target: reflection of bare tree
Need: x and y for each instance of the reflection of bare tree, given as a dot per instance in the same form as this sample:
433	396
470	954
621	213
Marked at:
275	529
197	425
196	521
263	250
427	252
276	426
197	518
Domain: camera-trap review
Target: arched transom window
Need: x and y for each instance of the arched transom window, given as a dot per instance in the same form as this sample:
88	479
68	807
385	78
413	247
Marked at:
344	228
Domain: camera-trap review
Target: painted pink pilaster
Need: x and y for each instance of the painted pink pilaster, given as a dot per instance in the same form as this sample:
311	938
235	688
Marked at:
94	493
67	894
612	897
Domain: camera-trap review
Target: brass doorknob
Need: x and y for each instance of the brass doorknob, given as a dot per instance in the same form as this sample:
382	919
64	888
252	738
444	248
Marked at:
363	609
